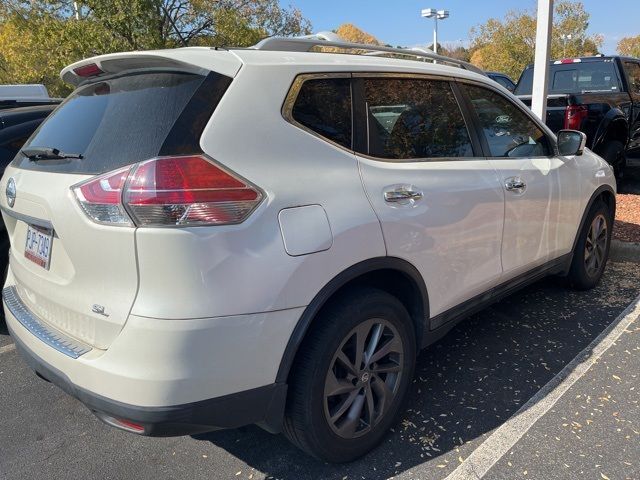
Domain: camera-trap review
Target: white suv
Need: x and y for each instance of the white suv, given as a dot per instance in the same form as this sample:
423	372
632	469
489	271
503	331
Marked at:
205	238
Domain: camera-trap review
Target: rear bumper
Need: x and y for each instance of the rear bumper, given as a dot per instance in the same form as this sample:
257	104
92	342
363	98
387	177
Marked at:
172	377
262	405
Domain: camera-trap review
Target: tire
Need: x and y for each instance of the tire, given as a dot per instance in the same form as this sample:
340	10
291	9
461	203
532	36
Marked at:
589	257
613	153
334	334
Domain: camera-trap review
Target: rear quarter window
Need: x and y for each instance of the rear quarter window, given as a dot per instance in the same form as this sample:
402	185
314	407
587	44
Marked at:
323	105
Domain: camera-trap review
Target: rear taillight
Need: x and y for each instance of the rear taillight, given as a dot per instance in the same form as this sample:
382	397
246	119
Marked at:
574	115
100	198
166	191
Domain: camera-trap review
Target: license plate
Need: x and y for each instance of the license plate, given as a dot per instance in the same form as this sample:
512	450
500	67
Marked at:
38	246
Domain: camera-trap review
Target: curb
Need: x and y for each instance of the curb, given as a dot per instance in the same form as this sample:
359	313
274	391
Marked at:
624	251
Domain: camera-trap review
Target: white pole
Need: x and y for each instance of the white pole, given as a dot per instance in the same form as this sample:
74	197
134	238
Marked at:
435	34
541	64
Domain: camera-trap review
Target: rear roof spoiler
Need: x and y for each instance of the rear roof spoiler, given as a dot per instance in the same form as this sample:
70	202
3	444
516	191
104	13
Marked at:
204	60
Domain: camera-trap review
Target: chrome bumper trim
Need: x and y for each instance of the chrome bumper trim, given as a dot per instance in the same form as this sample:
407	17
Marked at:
49	335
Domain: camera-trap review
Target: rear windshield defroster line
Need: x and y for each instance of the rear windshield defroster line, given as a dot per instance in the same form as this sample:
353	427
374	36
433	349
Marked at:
124	120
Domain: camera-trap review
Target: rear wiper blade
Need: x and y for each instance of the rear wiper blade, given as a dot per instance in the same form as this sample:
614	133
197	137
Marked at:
47	153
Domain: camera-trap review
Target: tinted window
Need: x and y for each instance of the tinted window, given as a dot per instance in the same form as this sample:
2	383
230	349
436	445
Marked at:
574	78
633	72
324	106
13	138
508	131
504	81
414	119
124	120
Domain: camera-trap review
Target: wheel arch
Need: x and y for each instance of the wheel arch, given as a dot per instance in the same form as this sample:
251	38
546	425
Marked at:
614	126
394	275
607	194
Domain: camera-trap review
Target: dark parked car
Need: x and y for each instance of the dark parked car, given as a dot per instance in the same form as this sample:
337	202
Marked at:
503	79
599	96
16	126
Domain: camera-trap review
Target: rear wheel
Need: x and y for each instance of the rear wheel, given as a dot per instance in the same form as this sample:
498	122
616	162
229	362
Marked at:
351	376
592	250
613	152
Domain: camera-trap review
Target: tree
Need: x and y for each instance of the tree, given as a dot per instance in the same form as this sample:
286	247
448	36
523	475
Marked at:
509	45
455	51
39	37
629	46
351	33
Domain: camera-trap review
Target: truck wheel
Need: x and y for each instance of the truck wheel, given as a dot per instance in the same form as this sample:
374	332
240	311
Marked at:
592	250
351	376
613	153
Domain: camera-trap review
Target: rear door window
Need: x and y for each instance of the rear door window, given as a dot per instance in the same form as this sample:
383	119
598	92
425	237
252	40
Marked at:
412	119
323	105
127	119
508	131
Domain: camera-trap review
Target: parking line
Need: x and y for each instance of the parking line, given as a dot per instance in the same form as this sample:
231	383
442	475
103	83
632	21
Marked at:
507	435
7	348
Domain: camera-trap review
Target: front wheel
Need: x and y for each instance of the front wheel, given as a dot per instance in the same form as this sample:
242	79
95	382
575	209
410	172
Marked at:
592	249
351	376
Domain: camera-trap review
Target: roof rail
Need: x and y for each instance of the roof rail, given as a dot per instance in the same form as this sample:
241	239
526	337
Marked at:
330	39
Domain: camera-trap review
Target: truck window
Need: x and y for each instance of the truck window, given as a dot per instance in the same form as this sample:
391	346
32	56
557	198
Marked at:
633	72
590	76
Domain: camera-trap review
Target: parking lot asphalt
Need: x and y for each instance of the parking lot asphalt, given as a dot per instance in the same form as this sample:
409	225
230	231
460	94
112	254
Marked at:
594	430
466	386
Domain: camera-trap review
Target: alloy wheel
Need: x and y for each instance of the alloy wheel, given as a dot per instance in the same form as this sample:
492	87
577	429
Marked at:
363	378
596	245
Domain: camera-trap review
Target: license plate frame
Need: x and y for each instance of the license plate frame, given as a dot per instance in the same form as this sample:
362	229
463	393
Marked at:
38	245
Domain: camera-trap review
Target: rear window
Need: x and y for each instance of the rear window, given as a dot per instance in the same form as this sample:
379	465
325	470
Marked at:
579	77
127	119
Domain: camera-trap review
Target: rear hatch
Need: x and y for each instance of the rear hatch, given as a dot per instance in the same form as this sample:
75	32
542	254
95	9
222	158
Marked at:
74	273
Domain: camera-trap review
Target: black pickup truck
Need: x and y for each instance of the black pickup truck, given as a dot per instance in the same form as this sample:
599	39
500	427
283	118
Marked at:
599	96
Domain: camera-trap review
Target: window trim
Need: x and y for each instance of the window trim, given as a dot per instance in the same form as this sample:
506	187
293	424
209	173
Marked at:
361	121
292	95
553	146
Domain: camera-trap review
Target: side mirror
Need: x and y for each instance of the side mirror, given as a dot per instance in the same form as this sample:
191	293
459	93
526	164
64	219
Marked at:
571	142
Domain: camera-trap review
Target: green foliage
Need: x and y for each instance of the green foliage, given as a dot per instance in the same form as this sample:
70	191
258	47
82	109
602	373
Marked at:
630	46
508	45
39	37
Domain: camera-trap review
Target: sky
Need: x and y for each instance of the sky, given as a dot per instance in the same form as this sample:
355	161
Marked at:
398	22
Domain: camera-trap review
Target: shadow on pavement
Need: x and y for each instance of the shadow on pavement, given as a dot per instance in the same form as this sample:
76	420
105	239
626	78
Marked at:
467	384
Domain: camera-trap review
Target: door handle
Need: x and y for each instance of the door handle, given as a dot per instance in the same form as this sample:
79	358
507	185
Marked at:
402	195
515	184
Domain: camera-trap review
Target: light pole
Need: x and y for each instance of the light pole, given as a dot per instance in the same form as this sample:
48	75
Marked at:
436	15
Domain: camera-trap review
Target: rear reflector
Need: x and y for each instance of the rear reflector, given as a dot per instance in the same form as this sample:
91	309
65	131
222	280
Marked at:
120	423
88	70
169	191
